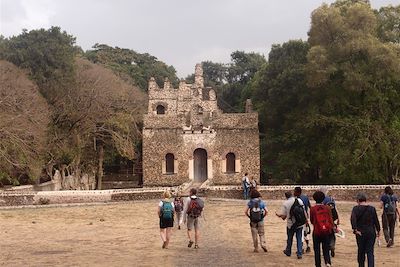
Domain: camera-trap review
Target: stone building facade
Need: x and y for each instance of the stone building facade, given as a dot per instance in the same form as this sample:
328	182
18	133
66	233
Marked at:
187	138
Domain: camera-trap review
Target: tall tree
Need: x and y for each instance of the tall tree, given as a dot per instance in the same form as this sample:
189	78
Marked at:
131	65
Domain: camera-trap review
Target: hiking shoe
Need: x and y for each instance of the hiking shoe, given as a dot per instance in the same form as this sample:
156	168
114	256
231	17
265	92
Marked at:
196	246
164	245
255	250
308	250
286	253
332	253
389	243
299	257
190	244
264	248
179	227
328	265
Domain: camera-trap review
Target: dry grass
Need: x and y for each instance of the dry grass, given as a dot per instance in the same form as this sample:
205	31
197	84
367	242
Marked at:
127	234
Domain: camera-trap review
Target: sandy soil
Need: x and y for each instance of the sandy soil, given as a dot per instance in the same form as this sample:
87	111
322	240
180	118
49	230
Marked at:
127	234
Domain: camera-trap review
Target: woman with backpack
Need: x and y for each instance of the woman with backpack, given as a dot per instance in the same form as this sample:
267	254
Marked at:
390	211
321	219
166	215
178	203
256	211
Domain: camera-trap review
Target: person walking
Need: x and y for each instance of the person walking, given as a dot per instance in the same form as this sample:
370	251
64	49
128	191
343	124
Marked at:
321	219
246	186
193	209
306	202
253	184
330	201
366	227
166	215
256	211
390	212
178	204
293	211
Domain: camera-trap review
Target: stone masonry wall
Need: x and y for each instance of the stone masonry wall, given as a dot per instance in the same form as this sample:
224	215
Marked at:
339	192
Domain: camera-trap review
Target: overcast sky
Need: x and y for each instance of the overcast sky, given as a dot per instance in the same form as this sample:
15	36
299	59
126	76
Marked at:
178	32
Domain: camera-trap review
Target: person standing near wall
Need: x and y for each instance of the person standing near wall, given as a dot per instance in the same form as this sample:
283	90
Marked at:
246	186
366	227
166	215
390	211
256	211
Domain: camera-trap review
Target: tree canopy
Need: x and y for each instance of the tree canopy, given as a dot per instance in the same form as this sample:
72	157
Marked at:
131	65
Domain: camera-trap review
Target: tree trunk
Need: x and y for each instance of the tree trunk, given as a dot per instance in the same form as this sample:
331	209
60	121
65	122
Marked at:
100	166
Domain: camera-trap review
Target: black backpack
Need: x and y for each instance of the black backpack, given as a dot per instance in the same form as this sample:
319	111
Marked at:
332	205
390	207
256	214
298	214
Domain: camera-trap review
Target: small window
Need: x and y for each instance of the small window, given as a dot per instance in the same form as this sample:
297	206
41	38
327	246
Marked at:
160	109
230	163
199	110
169	162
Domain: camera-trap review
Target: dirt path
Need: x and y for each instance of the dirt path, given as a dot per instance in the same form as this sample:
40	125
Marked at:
127	234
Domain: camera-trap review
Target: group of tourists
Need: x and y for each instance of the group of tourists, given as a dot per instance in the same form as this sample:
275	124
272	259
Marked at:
187	211
299	215
324	218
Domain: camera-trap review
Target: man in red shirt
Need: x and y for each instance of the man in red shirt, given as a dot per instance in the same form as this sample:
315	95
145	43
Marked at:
321	219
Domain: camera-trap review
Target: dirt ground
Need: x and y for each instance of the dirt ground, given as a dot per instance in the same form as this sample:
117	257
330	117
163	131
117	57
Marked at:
127	234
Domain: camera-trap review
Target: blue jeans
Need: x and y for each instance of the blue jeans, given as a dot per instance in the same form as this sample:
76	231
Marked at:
246	192
290	234
365	244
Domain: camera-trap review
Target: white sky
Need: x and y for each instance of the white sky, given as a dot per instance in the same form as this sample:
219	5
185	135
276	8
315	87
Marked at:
179	32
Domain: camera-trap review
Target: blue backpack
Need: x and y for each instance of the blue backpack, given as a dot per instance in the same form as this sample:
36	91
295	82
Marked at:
167	211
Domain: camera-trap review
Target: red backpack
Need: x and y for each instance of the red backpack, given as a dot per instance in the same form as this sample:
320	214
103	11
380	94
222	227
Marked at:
323	224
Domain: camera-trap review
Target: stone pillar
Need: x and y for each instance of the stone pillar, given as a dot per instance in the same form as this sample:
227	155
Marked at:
198	76
191	169
249	106
209	169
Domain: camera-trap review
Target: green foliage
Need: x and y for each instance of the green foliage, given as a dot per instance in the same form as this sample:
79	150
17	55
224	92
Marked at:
389	24
47	54
132	65
330	107
231	81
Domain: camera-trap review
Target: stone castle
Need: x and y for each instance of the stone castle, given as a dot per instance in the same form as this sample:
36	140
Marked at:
187	138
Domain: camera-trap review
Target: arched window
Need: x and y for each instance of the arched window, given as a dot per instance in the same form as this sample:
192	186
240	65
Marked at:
169	163
160	109
230	163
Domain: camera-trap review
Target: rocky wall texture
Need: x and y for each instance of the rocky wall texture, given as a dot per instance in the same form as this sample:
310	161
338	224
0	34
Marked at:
340	193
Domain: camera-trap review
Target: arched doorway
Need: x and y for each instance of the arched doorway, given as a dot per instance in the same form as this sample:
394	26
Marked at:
200	165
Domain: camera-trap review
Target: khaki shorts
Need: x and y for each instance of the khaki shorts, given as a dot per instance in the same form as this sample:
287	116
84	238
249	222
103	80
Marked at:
193	223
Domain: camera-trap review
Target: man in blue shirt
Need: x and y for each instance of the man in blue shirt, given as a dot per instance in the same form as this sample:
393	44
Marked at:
306	202
256	210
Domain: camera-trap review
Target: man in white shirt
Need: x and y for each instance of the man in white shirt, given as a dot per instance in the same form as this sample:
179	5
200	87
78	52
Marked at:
291	226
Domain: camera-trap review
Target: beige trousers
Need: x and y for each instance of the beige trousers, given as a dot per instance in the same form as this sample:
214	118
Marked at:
257	229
